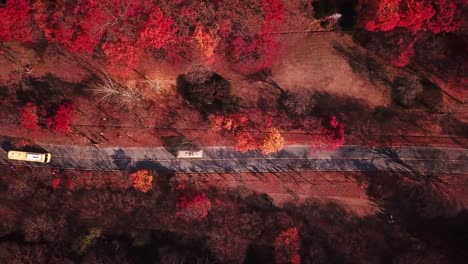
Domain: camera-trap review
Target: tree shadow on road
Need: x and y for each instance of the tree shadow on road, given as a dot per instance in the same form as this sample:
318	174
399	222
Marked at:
121	160
152	165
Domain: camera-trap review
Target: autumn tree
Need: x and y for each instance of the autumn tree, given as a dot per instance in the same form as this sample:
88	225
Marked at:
332	135
245	142
257	52
228	123
142	180
28	116
235	124
287	246
414	16
14	25
77	26
193	208
61	119
129	27
273	142
207	41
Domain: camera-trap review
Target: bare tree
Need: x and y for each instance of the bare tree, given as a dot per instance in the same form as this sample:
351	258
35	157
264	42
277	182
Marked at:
109	90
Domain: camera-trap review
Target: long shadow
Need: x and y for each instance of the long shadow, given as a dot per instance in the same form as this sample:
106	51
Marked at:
418	201
152	166
121	160
364	65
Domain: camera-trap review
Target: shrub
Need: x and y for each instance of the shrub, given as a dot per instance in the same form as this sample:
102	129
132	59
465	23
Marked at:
193	209
84	242
60	121
273	142
44	227
206	90
297	104
405	90
28	116
287	246
55	183
406	53
142	180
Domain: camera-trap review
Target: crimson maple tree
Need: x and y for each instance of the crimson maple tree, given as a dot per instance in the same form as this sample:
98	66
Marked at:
14	25
62	118
28	116
414	16
256	52
287	246
245	142
193	208
229	123
332	135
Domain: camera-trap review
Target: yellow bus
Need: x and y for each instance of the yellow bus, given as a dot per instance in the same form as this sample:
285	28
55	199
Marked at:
29	156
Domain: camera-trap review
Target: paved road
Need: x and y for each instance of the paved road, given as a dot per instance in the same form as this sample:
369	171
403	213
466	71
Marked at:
226	159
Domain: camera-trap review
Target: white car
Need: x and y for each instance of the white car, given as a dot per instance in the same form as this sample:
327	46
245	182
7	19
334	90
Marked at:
189	154
29	156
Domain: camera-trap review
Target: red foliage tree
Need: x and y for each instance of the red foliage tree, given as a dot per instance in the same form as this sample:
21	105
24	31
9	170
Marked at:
412	15
60	121
14	23
129	27
445	18
245	142
274	14
193	209
55	183
287	246
415	15
78	26
157	30
257	52
406	53
229	123
332	134
28	116
253	54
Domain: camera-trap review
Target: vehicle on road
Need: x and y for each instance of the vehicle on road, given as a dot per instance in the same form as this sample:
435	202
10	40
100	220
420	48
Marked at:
29	156
189	154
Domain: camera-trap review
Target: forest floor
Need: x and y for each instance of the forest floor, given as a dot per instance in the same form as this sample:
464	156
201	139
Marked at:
351	190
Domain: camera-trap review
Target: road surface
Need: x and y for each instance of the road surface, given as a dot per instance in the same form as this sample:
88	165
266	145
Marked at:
226	159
